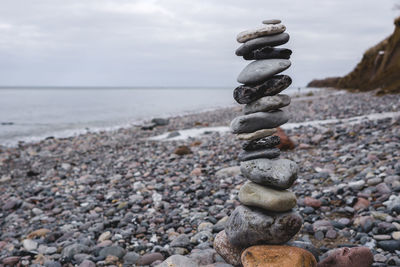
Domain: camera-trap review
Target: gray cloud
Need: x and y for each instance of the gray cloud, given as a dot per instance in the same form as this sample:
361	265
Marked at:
176	42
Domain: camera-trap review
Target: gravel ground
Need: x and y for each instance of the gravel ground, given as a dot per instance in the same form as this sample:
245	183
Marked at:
113	198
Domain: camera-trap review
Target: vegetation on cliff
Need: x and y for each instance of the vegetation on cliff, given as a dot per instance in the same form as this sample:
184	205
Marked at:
378	69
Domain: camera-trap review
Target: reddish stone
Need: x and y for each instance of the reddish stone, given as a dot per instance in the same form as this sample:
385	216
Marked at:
11	261
286	143
312	202
182	150
149	258
362	203
349	257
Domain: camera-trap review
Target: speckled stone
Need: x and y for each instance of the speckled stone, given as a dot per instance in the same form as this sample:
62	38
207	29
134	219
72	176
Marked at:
266	142
248	226
264	30
272	40
257	121
267	103
278	173
261	70
245	94
268	52
269	153
256	135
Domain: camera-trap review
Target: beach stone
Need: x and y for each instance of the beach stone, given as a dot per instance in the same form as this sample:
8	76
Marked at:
11	261
266	142
230	253
261	70
116	251
252	194
131	258
257	121
71	250
181	241
268	52
269	153
87	263
182	150
307	246
348	257
178	261
29	244
267	103
279	173
264	30
228	172
256	135
149	258
38	233
277	256
245	94
271	21
271	40
389	245
252	226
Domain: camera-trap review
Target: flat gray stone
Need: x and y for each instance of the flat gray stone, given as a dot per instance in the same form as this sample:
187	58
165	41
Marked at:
269	153
178	261
257	121
272	40
261	70
267	103
271	21
278	173
268	52
246	94
263	30
263	143
249	226
266	198
256	135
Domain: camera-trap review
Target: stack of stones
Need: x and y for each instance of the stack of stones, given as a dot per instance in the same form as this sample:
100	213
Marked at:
265	217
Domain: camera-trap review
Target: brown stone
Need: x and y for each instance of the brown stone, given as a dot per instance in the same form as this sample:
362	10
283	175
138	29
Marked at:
182	150
362	203
349	257
230	253
286	142
277	256
38	233
312	202
149	258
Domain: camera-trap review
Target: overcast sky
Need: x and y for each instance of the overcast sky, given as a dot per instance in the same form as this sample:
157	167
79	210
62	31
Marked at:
177	42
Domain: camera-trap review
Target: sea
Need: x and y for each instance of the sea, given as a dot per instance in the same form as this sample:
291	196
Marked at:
30	114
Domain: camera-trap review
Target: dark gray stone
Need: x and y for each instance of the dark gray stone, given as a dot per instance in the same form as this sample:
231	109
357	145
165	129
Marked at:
71	250
246	94
116	251
307	246
181	241
389	245
268	52
272	40
271	21
131	258
269	153
160	121
279	173
252	226
257	121
263	143
267	103
261	70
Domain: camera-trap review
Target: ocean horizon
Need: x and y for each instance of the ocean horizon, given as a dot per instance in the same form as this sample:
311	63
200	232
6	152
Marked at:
33	113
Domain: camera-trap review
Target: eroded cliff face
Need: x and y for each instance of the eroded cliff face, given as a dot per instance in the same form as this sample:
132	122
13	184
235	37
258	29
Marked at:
378	69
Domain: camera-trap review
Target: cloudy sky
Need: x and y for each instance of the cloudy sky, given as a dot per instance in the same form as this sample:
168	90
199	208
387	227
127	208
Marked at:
177	42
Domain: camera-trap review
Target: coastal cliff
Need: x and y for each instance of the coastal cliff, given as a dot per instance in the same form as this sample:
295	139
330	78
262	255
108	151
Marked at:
378	69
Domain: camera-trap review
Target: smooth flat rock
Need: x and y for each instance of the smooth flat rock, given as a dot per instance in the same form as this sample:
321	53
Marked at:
264	30
256	135
268	52
261	70
226	250
277	256
245	94
278	173
267	103
266	142
248	226
272	40
349	257
178	261
271	21
269	153
257	121
252	194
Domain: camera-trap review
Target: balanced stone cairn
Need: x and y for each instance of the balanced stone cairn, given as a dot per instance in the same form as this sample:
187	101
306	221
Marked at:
256	230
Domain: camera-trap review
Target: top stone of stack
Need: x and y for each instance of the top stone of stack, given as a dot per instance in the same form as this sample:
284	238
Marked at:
265	30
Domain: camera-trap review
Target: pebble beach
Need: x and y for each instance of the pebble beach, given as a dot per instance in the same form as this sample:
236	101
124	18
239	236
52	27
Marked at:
123	198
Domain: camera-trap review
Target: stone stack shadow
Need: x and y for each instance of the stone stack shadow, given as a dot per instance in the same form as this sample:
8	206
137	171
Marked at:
265	216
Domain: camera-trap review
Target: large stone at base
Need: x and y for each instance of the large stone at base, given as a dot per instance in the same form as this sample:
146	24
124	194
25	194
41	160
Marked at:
252	226
349	257
257	121
226	250
278	173
252	194
277	256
